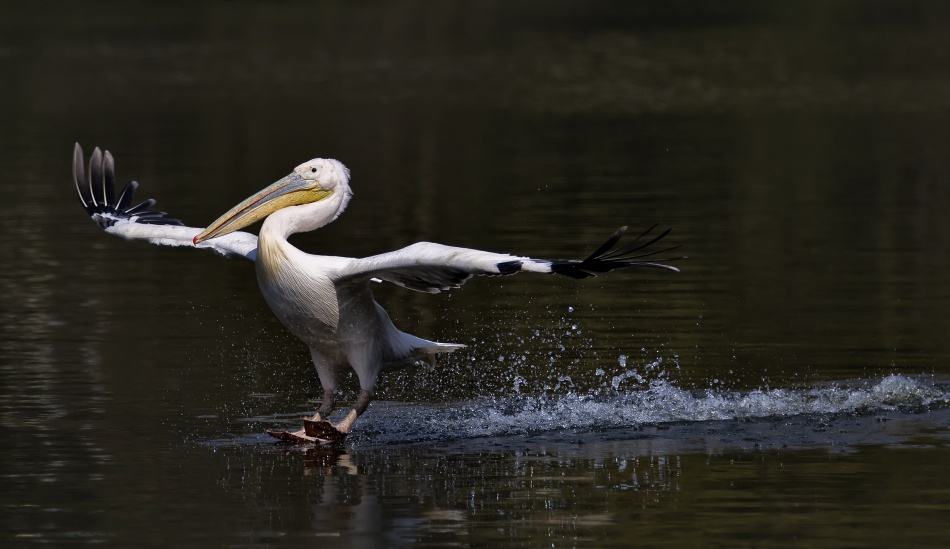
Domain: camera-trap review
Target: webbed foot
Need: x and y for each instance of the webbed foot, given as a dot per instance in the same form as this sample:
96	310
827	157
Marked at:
296	437
322	431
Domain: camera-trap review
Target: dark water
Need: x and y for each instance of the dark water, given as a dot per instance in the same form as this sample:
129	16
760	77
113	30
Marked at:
790	387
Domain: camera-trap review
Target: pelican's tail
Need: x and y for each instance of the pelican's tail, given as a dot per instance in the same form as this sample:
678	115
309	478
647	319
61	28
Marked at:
425	351
426	355
419	351
434	347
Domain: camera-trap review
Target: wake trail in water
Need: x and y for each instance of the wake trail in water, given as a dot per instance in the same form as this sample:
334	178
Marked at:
662	402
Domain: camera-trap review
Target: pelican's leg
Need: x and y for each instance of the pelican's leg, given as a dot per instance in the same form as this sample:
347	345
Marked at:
325	372
317	429
329	398
366	362
360	406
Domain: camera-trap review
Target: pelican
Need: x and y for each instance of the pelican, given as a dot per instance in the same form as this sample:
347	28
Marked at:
327	301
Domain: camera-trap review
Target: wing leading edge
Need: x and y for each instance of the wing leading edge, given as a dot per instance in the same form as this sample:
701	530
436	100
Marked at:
429	267
117	215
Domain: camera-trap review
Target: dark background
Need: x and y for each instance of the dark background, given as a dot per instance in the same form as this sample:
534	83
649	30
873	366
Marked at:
798	150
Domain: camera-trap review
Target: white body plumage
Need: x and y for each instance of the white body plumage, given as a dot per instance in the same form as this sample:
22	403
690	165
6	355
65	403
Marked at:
327	301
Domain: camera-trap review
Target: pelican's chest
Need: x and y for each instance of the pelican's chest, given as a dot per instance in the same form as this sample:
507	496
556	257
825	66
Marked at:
303	299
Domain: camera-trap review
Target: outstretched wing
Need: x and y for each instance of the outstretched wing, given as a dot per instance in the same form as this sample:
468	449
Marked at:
429	267
119	217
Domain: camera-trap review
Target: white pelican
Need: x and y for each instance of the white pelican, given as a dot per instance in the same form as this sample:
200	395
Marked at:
323	300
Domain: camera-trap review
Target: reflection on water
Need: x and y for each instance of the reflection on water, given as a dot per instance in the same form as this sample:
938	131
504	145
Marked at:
508	472
788	387
686	483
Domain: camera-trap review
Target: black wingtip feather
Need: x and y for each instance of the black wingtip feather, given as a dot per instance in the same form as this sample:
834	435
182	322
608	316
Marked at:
125	198
96	189
79	179
108	183
614	238
633	247
142	207
606	258
509	267
94	179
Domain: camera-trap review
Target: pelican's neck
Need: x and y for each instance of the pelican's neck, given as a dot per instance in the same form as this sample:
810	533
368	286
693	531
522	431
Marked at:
273	246
293	284
304	218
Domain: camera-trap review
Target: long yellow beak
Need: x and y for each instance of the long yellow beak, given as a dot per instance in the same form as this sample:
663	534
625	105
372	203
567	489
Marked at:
292	190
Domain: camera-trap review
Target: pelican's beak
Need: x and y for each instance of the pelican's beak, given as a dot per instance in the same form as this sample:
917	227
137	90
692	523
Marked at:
292	190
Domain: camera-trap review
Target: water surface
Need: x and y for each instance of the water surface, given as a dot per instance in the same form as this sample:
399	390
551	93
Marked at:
788	387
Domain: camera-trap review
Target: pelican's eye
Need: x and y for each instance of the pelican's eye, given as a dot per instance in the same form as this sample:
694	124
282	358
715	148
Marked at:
313	170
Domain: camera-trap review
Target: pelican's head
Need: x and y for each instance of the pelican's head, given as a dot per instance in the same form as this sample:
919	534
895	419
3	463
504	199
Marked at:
313	181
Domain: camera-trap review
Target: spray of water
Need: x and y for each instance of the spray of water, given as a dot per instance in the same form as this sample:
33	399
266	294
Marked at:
661	402
519	396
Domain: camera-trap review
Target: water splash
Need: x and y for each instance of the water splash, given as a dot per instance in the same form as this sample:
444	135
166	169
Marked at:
661	402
